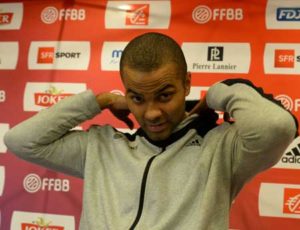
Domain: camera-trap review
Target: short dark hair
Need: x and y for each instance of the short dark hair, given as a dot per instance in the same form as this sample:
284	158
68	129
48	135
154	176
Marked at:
150	51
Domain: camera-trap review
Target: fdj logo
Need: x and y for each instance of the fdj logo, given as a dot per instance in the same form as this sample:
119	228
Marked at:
288	14
215	53
33	183
2	96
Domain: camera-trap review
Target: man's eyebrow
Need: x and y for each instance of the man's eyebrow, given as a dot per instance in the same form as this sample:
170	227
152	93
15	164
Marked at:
164	88
131	91
156	92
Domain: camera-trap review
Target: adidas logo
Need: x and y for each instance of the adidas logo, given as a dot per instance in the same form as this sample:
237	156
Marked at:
293	156
195	142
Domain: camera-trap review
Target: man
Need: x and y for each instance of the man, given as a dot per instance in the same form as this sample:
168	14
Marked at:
180	170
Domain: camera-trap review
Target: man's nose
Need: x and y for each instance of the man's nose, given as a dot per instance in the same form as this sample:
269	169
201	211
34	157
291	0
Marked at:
152	112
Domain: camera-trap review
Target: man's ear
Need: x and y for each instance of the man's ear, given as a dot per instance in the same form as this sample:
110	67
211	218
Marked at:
187	83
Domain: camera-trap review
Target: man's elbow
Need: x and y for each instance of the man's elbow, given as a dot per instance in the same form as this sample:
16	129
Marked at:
15	143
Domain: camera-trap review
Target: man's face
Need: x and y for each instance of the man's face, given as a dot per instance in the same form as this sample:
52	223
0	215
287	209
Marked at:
157	98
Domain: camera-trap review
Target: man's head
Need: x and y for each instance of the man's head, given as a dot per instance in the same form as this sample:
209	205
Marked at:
154	72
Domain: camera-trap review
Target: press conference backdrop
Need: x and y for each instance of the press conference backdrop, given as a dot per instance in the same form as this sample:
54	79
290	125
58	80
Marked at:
50	50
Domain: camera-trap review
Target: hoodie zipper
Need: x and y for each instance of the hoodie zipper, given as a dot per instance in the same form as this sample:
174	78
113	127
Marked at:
143	189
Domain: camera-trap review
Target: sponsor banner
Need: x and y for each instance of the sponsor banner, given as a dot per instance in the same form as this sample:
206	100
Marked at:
284	201
137	14
2	179
284	15
33	183
11	16
51	14
38	221
9	53
291	156
203	14
217	57
38	96
71	55
111	54
282	58
3	129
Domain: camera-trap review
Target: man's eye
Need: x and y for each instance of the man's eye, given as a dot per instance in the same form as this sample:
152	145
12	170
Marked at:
165	96
137	99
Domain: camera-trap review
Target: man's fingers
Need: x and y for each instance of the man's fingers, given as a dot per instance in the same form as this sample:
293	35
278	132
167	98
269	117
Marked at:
128	122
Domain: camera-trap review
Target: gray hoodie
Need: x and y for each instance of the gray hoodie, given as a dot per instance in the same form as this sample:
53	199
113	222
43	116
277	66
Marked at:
187	182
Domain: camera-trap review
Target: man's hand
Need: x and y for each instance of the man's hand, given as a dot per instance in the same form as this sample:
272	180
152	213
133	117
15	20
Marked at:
205	113
117	105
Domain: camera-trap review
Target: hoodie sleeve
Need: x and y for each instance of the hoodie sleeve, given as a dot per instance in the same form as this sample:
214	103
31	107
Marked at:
263	128
46	139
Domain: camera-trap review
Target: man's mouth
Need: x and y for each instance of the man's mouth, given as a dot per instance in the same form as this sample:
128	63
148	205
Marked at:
156	128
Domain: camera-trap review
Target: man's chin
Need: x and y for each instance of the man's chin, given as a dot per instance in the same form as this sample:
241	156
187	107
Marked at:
158	136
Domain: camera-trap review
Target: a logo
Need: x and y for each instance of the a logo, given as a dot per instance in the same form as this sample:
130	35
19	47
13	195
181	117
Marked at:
51	14
11	16
2	179
221	57
215	53
2	96
111	54
284	15
138	14
50	97
284	201
33	183
288	14
41	95
6	18
203	14
291	157
195	142
9	53
286	101
141	15
59	55
291	200
3	129
45	55
282	58
41	221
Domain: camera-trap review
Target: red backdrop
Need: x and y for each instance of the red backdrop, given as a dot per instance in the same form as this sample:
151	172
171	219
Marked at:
53	49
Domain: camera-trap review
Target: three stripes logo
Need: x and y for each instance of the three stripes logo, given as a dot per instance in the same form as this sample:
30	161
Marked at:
195	142
292	156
